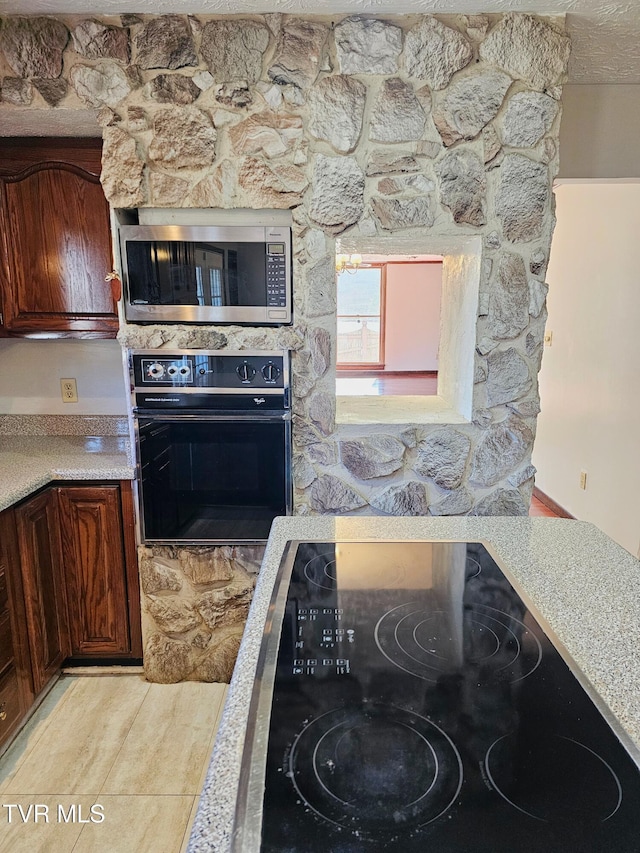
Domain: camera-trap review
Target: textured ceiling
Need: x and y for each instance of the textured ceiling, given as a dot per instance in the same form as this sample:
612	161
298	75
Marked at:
605	33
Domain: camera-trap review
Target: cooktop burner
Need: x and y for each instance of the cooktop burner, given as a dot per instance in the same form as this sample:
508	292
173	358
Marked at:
374	801
417	704
322	571
501	646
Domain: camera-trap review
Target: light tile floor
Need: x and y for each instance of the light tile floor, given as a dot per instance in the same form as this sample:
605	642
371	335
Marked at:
138	751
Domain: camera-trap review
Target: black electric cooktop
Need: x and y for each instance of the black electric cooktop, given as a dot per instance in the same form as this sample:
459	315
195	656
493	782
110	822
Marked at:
418	706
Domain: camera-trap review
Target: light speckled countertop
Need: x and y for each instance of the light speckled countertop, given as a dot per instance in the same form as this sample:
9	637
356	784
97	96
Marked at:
585	586
29	462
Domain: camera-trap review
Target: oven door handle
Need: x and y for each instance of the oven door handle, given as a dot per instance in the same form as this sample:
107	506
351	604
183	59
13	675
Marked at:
262	417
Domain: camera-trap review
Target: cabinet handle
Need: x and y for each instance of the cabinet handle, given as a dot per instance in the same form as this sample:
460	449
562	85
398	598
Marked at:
3	713
116	285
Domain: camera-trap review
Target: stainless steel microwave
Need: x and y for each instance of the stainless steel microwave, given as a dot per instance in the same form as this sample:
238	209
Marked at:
207	274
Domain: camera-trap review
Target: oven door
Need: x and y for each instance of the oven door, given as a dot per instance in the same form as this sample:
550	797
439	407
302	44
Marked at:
221	478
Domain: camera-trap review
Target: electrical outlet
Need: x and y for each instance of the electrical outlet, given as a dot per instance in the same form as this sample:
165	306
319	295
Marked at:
548	339
69	390
583	479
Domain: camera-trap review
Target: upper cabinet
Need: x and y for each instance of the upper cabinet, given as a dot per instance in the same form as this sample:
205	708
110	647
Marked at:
55	248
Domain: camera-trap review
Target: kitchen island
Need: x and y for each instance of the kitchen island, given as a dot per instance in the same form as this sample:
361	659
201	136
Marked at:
582	586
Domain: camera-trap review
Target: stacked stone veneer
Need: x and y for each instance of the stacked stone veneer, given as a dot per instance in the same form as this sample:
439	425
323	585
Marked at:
196	602
418	128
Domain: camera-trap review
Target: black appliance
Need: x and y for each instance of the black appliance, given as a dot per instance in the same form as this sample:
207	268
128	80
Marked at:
213	443
408	700
206	274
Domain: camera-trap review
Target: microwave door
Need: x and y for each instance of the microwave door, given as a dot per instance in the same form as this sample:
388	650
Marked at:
197	275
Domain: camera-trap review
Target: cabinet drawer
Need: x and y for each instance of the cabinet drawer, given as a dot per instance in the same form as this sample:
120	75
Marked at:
6	646
10	706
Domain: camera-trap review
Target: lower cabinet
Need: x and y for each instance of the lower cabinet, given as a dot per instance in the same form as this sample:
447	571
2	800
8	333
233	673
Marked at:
11	706
95	571
44	593
16	685
68	588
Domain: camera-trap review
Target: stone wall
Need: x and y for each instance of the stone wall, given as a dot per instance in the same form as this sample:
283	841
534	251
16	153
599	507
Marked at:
412	128
195	605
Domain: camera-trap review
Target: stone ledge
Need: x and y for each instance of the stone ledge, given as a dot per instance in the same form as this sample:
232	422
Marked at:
410	410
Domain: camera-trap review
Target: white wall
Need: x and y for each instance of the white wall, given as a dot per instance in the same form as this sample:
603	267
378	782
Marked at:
412	321
30	373
590	378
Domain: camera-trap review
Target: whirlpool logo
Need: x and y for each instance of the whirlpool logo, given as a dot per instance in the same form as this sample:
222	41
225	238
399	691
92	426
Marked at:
259	400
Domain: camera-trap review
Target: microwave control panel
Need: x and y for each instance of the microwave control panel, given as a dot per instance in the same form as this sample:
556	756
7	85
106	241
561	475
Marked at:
276	275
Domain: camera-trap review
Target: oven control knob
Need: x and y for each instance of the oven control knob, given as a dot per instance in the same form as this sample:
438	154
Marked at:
270	372
246	371
184	371
155	370
172	370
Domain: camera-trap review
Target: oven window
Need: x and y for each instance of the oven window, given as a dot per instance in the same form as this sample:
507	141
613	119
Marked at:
212	480
163	272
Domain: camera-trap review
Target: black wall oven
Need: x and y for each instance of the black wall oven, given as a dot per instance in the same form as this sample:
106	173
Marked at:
213	443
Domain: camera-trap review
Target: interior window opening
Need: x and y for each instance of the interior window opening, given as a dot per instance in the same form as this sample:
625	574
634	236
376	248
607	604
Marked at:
388	324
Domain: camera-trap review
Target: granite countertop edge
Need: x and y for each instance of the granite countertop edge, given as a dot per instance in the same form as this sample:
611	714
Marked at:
561	567
28	463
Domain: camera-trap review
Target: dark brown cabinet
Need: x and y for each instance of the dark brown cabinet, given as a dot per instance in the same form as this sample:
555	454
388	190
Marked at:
68	588
95	572
44	593
16	687
55	239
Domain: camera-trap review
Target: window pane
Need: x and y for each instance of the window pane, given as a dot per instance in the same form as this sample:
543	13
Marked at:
359	292
358	340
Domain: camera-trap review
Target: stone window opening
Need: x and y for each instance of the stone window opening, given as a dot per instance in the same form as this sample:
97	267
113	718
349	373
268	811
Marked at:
452	400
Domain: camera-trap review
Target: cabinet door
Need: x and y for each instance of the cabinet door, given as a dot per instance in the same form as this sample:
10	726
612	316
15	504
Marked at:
16	688
57	244
44	596
95	570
